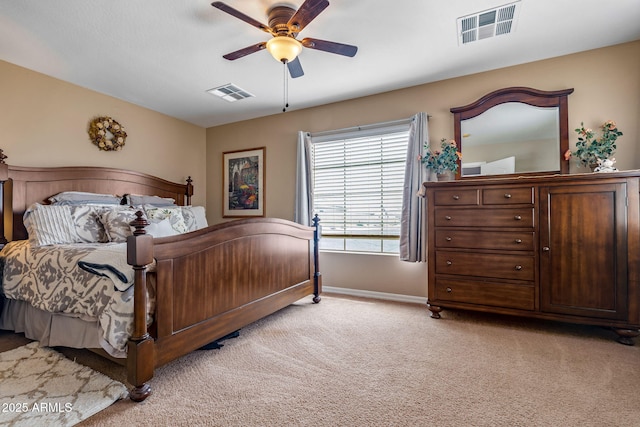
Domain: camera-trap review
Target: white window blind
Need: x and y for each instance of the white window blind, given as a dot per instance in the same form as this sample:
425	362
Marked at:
357	189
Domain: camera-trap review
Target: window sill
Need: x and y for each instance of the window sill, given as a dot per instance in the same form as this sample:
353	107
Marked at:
329	251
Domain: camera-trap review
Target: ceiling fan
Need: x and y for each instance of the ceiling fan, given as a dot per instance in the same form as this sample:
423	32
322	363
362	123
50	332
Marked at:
285	22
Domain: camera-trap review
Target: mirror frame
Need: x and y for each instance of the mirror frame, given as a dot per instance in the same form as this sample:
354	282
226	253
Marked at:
535	97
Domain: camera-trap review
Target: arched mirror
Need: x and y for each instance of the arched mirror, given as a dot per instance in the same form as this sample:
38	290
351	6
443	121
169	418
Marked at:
516	130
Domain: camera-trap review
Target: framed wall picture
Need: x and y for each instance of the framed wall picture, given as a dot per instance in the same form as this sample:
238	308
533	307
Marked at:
243	181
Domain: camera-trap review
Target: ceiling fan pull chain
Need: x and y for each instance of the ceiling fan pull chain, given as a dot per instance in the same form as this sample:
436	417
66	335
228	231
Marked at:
286	87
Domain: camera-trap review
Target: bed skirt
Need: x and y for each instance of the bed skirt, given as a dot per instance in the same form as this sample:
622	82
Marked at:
53	330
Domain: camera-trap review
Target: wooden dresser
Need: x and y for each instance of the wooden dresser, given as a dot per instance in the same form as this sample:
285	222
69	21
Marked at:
559	247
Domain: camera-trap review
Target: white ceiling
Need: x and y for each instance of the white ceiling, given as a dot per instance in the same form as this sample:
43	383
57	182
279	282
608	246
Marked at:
164	54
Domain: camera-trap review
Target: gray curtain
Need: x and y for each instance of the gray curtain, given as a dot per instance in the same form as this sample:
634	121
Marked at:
412	229
304	187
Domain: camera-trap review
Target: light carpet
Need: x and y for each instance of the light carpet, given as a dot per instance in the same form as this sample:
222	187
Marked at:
352	362
41	387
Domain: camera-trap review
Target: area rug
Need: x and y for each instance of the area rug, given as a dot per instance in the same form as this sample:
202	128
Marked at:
41	387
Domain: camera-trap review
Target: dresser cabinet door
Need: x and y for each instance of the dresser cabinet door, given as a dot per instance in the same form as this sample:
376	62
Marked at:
583	262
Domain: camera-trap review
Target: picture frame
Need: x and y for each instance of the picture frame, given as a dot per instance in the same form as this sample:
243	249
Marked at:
243	192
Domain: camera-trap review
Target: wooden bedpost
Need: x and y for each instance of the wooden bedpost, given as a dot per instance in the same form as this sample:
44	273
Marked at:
317	277
4	177
189	191
141	356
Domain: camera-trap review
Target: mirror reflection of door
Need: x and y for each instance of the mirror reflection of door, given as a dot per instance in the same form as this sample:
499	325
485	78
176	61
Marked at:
511	138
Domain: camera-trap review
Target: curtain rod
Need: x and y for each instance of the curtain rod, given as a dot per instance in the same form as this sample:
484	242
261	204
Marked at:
365	127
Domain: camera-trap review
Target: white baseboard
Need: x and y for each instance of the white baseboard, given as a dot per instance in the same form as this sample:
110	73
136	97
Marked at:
376	295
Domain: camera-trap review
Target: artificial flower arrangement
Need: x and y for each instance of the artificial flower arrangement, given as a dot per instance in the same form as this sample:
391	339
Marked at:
445	159
589	149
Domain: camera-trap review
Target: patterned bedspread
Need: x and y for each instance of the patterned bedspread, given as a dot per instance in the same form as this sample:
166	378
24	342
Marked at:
49	278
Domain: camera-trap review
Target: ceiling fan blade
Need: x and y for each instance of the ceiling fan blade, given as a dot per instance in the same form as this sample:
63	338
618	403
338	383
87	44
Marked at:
295	68
306	13
244	52
332	47
233	12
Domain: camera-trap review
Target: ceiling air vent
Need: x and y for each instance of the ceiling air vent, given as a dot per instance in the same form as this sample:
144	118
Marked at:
230	92
487	24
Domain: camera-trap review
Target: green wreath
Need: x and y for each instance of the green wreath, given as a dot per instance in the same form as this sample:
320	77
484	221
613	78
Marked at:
107	134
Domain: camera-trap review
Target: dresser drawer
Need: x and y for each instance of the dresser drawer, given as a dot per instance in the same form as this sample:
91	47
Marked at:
485	293
456	197
508	217
508	196
512	267
501	240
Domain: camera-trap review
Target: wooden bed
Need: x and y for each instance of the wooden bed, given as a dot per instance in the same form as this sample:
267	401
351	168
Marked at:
209	283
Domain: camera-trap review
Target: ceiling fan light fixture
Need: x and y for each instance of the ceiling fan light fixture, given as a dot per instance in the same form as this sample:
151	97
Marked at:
284	48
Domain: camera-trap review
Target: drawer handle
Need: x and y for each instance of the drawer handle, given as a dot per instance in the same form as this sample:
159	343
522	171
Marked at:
448	239
449	262
449	290
507	196
546	249
518	267
447	217
518	217
518	241
456	197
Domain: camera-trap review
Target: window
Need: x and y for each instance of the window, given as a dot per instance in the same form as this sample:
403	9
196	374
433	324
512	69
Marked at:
358	180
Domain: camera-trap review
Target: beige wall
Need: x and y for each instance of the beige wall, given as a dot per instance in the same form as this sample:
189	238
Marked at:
43	122
607	86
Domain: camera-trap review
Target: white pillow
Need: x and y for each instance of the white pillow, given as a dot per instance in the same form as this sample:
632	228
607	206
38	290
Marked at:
194	217
50	225
161	228
201	217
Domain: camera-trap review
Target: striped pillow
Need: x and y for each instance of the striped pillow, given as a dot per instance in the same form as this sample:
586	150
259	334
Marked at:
50	225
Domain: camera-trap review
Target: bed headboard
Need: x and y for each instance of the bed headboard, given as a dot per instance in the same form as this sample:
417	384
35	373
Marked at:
22	186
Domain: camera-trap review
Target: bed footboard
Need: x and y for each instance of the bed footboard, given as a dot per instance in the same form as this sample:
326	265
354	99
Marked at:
214	281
